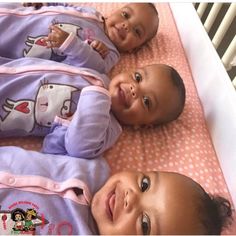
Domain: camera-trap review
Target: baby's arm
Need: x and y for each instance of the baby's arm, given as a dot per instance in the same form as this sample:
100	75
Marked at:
57	37
100	47
80	53
91	131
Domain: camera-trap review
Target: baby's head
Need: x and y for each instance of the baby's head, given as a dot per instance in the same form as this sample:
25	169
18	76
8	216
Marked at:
153	94
151	203
132	26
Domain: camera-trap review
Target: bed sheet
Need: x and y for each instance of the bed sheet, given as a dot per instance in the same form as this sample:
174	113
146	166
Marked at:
182	146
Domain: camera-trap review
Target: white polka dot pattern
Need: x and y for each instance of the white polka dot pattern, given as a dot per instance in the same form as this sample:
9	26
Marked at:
183	145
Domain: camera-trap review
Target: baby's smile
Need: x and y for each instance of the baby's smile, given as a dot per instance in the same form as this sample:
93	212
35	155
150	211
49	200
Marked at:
121	32
123	96
110	204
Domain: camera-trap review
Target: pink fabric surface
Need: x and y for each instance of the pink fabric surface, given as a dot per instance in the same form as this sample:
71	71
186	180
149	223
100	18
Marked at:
182	146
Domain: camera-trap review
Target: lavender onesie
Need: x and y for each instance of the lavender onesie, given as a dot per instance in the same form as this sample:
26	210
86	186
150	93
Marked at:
48	195
33	92
22	31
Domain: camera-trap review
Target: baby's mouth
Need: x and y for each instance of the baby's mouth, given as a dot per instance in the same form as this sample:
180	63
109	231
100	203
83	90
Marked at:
123	98
121	33
110	205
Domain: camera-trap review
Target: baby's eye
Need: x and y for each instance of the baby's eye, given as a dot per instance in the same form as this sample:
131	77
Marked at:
137	77
145	184
125	14
146	101
145	224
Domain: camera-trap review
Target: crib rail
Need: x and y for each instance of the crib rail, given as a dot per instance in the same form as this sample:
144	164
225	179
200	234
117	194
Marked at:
219	20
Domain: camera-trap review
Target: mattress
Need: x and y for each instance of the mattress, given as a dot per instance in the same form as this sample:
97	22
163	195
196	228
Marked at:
184	145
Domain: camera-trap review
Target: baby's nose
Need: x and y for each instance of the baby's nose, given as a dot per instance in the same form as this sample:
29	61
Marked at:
130	200
133	90
125	26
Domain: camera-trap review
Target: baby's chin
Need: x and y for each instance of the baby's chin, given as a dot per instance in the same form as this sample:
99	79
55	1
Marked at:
120	118
120	48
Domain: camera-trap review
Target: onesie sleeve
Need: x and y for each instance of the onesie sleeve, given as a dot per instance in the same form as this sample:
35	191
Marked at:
80	53
54	142
92	130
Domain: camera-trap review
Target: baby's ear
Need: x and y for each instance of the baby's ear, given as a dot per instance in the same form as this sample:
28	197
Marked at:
134	50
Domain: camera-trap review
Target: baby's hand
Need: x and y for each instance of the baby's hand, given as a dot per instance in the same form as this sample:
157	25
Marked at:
69	117
100	47
56	37
36	5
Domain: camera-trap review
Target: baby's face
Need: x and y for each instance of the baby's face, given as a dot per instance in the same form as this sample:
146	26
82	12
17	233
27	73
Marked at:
147	203
144	96
129	27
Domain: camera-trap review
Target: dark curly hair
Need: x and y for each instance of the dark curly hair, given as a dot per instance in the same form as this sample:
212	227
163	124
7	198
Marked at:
178	82
215	213
152	5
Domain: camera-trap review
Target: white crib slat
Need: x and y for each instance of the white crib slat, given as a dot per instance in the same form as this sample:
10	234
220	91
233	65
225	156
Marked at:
224	25
234	82
229	54
201	8
212	16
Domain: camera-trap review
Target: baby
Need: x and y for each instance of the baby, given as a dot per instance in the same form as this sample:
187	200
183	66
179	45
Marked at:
79	197
76	32
32	96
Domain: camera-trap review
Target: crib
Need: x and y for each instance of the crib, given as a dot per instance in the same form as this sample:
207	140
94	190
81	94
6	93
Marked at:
200	143
218	104
219	22
219	79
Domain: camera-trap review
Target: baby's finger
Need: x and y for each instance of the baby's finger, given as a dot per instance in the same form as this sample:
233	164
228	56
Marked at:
53	36
37	5
50	37
56	29
94	44
103	53
102	48
48	42
99	46
27	4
